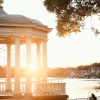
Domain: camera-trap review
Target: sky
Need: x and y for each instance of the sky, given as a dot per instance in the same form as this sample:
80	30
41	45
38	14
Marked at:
71	51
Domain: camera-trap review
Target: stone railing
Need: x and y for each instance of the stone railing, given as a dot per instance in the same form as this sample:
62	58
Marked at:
52	87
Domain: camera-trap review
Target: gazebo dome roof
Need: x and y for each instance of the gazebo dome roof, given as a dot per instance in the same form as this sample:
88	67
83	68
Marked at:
17	19
12	25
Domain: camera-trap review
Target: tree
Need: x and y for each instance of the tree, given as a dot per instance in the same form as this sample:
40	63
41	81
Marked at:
72	13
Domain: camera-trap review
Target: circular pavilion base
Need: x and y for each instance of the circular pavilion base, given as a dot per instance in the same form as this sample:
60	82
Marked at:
55	97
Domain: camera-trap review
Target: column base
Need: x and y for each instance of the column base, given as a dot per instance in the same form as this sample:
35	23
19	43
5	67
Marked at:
8	90
28	94
17	94
22	95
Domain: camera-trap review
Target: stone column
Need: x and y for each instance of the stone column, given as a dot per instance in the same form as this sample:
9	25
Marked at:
38	64
8	69
44	69
17	65
28	63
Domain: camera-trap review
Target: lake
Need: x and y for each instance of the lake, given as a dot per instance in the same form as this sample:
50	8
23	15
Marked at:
82	88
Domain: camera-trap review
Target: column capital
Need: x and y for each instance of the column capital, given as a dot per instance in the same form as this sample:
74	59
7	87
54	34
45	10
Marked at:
16	36
45	40
28	37
39	42
8	44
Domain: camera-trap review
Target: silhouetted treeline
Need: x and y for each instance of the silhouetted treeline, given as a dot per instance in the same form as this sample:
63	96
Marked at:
94	65
22	72
82	71
52	72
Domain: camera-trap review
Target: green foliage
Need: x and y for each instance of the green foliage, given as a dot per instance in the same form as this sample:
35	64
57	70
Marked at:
71	13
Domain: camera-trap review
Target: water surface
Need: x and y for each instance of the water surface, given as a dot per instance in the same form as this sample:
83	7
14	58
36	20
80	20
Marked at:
82	88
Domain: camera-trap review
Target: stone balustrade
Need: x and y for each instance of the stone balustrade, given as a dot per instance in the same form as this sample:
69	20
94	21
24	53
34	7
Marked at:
52	87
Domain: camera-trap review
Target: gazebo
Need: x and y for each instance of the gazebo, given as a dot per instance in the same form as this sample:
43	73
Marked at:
17	30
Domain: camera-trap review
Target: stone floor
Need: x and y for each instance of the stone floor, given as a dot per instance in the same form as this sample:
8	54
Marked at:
11	96
3	93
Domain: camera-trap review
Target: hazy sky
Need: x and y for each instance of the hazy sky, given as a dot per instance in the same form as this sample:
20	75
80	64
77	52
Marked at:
77	49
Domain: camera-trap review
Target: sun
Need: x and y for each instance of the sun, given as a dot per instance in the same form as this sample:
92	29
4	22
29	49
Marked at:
32	66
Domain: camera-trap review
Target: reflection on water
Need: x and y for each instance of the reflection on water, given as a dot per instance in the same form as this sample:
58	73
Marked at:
82	88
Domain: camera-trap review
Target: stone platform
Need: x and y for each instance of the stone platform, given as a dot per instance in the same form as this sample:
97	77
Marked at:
58	97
